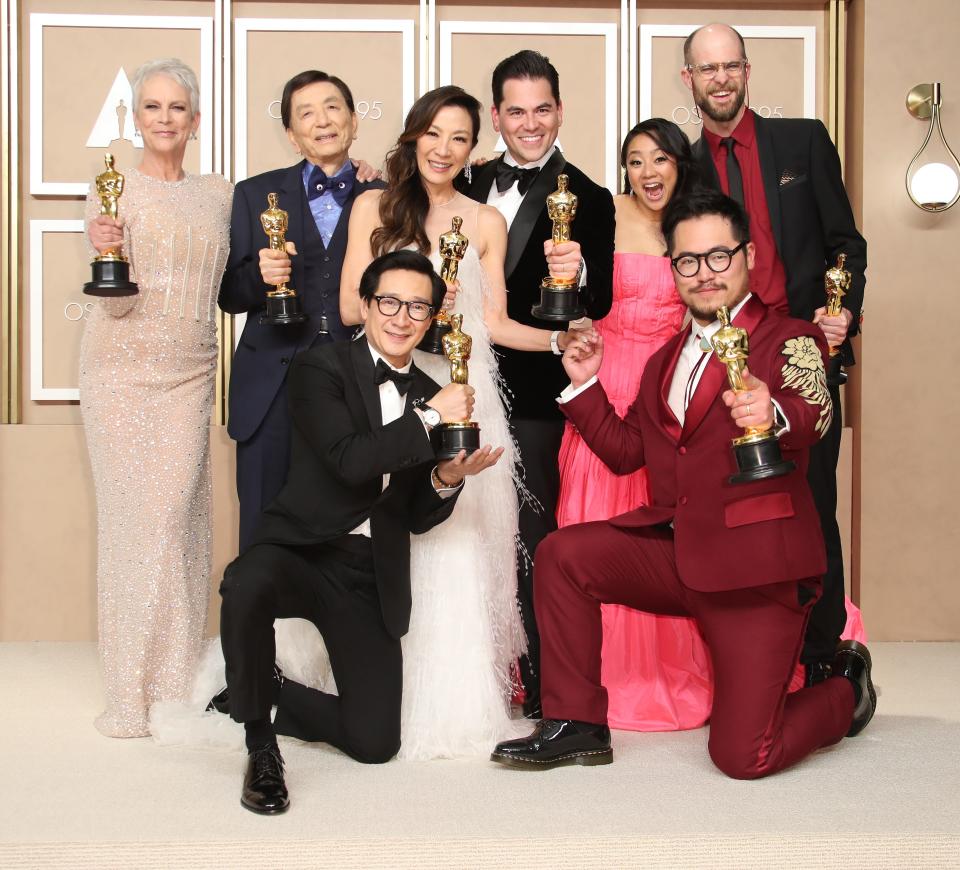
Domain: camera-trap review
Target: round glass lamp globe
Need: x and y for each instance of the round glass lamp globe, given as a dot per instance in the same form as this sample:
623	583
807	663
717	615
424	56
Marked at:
934	185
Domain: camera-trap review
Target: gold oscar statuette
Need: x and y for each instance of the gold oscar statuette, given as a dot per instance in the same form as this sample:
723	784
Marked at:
757	451
837	283
453	246
111	269
462	434
283	304
560	297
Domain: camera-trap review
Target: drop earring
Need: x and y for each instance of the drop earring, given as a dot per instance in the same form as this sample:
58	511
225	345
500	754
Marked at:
193	134
468	172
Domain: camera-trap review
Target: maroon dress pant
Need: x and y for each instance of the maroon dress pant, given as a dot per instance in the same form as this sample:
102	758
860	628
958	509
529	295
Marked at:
754	636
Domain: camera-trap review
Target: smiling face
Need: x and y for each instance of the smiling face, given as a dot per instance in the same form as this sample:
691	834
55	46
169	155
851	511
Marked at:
529	118
164	117
322	127
651	173
444	149
722	98
706	291
394	338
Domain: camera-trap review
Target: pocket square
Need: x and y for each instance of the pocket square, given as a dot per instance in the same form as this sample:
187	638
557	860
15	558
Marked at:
788	176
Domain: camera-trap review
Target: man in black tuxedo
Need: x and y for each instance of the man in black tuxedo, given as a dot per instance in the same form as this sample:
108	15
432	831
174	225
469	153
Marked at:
318	193
527	113
334	547
786	173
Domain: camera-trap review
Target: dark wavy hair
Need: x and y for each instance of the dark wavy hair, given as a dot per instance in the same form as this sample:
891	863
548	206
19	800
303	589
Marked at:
672	141
700	203
404	205
403	261
526	64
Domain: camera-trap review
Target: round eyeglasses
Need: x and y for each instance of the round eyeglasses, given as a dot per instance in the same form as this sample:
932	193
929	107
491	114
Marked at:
733	68
390	305
717	260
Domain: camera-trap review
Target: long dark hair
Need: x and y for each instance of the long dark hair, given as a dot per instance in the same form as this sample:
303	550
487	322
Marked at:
672	141
404	205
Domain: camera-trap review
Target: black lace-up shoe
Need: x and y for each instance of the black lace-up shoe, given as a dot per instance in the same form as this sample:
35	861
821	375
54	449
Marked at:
221	701
264	790
853	662
557	742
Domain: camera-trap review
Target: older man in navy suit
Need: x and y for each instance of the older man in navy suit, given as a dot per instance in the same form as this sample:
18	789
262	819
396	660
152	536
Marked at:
318	114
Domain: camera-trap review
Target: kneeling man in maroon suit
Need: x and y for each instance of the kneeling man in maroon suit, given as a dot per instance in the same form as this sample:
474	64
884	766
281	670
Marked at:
745	560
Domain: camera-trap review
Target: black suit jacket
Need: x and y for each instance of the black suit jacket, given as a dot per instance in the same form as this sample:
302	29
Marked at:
535	379
809	212
339	454
263	354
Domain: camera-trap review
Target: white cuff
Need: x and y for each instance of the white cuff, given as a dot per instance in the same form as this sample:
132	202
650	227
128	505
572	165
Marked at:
781	424
571	392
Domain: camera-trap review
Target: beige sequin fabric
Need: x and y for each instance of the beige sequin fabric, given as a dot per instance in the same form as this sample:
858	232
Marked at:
147	369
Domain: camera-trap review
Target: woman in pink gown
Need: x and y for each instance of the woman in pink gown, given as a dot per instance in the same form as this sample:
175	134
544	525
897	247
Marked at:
656	668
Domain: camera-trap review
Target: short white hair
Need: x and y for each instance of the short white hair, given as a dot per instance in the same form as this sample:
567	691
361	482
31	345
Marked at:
173	68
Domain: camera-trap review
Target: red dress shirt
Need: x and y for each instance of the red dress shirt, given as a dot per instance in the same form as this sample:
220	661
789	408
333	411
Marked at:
768	278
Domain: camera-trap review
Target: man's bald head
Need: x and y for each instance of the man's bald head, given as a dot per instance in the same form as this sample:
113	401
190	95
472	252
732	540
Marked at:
712	38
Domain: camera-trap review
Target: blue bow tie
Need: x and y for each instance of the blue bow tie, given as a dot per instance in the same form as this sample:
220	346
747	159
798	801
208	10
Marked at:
340	185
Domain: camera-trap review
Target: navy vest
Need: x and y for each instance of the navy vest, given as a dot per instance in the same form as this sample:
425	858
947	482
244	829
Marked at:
321	265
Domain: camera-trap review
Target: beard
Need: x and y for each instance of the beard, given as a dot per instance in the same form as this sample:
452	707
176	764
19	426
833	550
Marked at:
720	115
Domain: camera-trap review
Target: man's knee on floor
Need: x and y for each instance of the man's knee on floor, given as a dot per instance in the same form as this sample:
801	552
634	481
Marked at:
738	762
375	747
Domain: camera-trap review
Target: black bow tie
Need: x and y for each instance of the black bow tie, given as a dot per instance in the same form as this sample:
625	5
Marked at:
402	380
507	174
340	185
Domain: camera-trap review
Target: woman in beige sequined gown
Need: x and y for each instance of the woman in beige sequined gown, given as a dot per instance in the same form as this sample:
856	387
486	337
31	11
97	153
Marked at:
147	368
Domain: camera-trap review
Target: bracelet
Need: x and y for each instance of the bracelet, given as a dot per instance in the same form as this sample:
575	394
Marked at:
554	343
439	482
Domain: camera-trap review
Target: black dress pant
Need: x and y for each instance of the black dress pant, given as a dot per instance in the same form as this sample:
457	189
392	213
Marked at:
333	586
829	614
538	442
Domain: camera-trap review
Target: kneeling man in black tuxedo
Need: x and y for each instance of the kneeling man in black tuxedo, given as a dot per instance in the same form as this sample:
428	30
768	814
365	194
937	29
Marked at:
334	547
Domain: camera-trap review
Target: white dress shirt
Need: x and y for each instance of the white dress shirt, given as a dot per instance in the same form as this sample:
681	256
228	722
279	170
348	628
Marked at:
392	405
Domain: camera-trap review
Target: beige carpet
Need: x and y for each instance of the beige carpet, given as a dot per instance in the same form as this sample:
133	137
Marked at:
71	798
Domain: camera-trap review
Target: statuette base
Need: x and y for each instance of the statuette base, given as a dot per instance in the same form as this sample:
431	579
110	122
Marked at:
283	310
111	277
432	342
758	458
558	302
455	437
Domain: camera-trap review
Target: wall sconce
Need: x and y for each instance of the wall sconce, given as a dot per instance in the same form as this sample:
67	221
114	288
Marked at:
933	176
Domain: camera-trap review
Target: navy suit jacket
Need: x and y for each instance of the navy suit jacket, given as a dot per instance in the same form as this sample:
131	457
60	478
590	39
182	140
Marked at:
263	354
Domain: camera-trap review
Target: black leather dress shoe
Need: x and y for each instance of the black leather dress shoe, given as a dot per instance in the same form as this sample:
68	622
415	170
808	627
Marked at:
555	743
264	790
817	673
221	701
853	662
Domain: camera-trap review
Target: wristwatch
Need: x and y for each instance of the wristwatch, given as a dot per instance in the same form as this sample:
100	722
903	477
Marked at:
431	416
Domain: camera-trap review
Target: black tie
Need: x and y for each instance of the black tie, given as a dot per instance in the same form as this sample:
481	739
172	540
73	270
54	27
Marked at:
507	174
734	176
401	380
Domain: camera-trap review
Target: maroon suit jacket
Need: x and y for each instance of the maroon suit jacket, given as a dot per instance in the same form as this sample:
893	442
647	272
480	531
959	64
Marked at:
726	536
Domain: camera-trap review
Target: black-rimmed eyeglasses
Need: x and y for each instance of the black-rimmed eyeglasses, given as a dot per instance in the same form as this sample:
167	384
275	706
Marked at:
717	260
390	305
